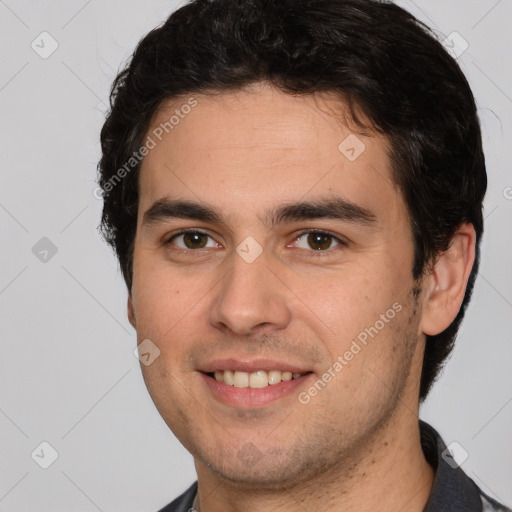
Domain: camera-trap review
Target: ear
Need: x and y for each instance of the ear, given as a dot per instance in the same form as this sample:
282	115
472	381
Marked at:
446	285
131	312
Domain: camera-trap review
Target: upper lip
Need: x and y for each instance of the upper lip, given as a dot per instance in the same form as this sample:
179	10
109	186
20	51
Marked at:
251	366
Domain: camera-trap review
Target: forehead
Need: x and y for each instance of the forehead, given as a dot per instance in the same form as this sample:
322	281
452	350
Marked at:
245	150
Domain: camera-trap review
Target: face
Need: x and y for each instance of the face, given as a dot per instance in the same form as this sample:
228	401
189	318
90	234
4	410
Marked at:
270	246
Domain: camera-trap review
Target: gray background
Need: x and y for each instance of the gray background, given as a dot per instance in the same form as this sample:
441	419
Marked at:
67	372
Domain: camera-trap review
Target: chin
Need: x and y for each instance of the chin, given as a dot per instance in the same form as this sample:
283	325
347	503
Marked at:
257	479
253	471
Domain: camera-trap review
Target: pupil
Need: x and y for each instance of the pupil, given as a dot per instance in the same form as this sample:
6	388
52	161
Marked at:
194	240
319	241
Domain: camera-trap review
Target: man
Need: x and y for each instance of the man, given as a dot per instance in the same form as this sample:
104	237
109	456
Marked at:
294	192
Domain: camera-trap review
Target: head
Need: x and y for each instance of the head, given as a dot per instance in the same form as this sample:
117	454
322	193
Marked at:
236	114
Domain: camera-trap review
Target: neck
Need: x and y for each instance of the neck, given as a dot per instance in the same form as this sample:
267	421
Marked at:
389	473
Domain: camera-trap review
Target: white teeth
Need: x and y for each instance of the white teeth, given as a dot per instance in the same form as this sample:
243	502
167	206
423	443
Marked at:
258	379
228	377
241	380
255	380
274	377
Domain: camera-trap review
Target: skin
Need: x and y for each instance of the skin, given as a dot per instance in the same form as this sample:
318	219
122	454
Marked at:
355	445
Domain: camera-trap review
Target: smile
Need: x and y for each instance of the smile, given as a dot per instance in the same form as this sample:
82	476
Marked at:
255	380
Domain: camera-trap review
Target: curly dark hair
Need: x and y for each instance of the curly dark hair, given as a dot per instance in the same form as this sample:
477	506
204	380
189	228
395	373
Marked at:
384	62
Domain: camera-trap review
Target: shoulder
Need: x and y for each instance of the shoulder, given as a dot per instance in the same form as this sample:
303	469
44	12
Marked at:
452	486
490	505
183	502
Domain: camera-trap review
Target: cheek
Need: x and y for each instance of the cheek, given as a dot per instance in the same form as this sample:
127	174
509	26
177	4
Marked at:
160	301
371	367
361	318
344	303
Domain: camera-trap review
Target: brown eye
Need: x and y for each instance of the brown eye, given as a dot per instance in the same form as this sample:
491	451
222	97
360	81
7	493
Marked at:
318	241
192	240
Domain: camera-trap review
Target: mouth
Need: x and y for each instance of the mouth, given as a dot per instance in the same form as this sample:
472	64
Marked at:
253	385
254	380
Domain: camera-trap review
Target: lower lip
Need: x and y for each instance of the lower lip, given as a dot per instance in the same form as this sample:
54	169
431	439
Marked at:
253	398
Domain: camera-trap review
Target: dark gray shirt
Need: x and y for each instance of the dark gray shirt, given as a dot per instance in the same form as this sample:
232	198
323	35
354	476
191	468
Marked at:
453	490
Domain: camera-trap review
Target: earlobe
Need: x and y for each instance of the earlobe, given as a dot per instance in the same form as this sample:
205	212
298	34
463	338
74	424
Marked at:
446	284
131	312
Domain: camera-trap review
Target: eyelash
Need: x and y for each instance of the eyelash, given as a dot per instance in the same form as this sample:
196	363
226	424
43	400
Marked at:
316	253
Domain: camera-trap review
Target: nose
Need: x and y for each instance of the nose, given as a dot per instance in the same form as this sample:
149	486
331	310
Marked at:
251	298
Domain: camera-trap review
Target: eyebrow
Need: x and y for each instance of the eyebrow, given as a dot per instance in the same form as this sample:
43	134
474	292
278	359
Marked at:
331	208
